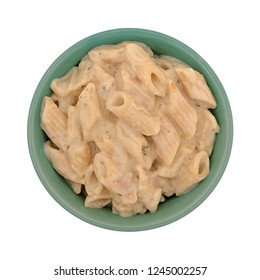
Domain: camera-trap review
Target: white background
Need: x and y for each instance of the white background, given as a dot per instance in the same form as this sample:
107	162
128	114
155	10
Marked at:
38	235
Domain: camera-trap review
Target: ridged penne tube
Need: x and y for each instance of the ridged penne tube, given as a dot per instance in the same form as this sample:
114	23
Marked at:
181	112
104	84
76	187
147	71
160	181
74	126
206	131
97	201
89	109
92	184
80	157
164	184
116	180
97	195
107	54
181	156
135	144
124	107
197	169
167	141
104	136
168	65
65	102
167	62
60	161
126	210
74	80
54	123
148	193
196	87
130	84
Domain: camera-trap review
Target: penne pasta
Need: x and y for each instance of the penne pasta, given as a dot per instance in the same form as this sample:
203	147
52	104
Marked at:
104	84
196	170
135	144
148	192
92	184
74	81
131	84
128	128
206	131
181	112
146	69
167	141
183	152
54	123
76	187
117	181
60	161
63	103
97	201
75	134
196	87
124	107
89	109
107	55
126	210
79	155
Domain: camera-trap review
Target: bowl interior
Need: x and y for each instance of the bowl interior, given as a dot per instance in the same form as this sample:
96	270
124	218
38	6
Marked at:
173	208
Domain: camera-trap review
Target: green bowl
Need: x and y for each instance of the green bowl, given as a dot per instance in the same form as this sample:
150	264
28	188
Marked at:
173	208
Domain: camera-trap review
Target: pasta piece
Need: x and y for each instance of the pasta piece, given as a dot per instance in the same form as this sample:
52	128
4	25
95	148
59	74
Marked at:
80	157
169	63
181	112
74	126
196	170
116	180
162	183
196	87
127	210
89	109
131	84
65	102
135	144
206	131
105	142
76	187
123	106
167	141
148	193
92	184
104	84
183	153
146	69
97	195
60	161
76	79
97	201
107	54
104	137
146	48
54	123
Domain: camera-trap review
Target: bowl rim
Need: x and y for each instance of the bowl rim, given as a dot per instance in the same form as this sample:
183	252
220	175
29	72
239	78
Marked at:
43	177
